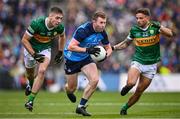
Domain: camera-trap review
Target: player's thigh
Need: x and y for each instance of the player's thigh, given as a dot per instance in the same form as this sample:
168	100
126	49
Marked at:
91	72
43	66
133	75
144	82
29	61
71	80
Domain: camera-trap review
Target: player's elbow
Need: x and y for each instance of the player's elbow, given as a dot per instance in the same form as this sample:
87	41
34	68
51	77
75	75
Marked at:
23	40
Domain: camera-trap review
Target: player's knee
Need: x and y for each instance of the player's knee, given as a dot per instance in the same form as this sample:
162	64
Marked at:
71	89
94	82
42	71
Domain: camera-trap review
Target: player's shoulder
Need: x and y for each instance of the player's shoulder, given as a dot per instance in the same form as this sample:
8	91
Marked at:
85	26
39	20
60	26
134	27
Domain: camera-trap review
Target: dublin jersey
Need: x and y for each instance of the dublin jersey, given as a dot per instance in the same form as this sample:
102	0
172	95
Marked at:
41	35
87	37
147	48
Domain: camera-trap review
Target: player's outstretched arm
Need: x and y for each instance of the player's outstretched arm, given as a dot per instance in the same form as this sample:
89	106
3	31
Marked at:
59	56
122	45
62	41
166	31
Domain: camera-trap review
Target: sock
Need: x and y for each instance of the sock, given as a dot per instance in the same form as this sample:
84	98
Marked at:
125	106
82	102
29	79
32	96
31	82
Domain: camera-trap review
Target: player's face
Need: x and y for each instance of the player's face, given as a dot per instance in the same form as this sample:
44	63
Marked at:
55	19
142	20
99	24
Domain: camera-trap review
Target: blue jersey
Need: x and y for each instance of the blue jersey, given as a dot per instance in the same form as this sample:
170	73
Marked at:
87	37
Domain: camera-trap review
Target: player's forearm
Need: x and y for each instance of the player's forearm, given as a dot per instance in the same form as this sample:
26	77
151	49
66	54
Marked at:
62	41
121	45
76	48
27	45
166	31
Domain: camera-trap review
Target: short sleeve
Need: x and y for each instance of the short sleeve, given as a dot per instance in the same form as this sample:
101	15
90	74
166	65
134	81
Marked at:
130	35
33	27
61	29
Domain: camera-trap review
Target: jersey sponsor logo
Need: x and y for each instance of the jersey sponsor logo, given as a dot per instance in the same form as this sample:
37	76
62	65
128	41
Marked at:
43	39
148	41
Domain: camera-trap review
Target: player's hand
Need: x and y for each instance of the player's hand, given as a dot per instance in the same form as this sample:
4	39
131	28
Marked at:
59	57
93	50
39	57
155	24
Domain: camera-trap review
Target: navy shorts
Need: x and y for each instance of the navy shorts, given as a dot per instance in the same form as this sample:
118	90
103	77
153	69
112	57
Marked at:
72	67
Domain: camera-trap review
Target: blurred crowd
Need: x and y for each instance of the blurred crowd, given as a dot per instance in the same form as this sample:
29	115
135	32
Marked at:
15	16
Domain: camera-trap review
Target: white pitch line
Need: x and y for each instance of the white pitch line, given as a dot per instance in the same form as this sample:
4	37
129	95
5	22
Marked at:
99	104
95	118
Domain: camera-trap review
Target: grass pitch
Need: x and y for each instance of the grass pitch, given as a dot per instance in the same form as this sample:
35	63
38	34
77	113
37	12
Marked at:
103	105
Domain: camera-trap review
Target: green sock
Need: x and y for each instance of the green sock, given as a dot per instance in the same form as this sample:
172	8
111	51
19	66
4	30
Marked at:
31	82
125	106
32	96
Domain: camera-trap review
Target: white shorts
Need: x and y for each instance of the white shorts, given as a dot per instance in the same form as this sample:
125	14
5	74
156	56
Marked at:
146	70
30	62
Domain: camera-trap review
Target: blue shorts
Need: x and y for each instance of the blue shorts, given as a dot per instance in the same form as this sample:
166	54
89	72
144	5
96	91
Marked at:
72	67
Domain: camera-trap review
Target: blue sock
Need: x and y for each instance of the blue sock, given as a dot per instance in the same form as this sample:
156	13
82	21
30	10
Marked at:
82	102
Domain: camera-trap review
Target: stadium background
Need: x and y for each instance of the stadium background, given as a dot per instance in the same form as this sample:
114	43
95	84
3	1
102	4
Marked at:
15	16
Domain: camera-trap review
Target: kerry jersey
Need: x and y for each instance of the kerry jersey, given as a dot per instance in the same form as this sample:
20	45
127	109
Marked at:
87	37
147	47
42	36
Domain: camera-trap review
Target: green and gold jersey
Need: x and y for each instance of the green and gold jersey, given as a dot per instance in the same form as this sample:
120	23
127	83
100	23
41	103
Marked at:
147	47
41	35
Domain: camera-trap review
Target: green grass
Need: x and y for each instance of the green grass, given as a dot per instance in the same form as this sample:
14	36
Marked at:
102	105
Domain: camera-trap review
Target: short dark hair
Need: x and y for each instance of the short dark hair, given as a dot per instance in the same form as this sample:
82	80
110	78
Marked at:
144	11
99	14
56	10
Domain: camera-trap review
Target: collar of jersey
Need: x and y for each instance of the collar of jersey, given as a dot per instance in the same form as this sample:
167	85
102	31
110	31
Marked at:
47	25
